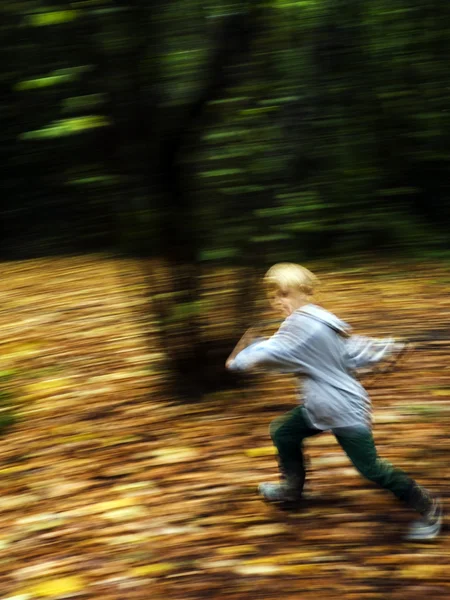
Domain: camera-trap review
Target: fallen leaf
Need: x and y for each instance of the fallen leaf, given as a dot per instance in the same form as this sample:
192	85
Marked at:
125	514
153	570
264	530
55	587
423	571
258	570
47	387
175	455
264	451
236	550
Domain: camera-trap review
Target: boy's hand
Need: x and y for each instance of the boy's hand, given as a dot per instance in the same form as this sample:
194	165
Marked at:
229	362
245	341
401	350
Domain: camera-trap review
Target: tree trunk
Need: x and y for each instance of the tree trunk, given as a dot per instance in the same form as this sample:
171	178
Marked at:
198	365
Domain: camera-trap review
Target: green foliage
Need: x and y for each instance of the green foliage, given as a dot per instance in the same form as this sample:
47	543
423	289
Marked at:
329	132
43	82
6	376
56	17
184	311
297	4
222	173
67	127
57	77
218	254
96	180
89	102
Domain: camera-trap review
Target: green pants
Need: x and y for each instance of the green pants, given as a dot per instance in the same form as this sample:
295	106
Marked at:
288	433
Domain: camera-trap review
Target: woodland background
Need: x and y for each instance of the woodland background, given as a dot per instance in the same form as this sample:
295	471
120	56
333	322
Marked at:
155	159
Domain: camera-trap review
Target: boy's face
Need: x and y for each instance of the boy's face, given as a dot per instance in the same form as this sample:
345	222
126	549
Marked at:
286	302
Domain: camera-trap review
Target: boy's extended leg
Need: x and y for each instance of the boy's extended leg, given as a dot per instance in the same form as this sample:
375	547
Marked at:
358	444
288	433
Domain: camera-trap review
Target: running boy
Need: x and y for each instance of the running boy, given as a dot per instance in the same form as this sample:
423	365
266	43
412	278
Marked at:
314	344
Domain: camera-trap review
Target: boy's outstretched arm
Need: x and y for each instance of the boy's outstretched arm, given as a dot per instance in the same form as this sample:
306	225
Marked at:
281	353
246	340
365	353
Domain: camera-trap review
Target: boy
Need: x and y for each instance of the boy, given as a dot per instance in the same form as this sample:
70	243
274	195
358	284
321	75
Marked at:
316	345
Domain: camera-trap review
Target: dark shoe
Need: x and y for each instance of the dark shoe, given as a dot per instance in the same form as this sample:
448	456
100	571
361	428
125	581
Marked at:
289	490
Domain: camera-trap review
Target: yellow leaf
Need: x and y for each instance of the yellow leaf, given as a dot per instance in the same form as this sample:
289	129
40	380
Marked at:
55	587
47	387
235	550
133	487
156	569
263	530
264	451
16	469
300	569
257	570
13	502
305	555
125	514
175	455
264	560
80	437
423	571
114	504
127	539
249	519
285	558
19	350
441	392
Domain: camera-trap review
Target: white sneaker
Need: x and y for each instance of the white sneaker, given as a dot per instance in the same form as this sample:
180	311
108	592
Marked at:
428	526
279	492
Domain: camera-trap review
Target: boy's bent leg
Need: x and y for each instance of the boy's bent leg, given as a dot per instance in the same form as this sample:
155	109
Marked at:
358	444
288	433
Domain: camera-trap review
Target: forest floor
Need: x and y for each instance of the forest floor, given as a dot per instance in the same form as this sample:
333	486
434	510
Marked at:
112	489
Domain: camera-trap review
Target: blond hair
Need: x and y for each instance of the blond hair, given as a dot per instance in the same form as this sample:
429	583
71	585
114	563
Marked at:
285	277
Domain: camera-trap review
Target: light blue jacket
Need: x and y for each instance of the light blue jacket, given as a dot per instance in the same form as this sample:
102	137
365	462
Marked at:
316	346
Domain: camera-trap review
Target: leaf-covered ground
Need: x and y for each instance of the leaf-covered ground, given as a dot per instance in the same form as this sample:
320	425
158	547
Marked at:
111	489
